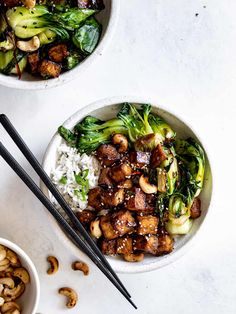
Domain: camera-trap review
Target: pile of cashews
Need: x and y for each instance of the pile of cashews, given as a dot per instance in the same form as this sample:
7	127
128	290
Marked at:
13	279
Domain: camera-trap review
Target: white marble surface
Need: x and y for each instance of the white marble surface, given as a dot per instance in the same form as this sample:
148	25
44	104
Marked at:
160	48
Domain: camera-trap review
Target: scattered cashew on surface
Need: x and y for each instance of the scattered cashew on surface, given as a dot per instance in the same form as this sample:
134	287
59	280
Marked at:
13	280
54	265
81	266
71	295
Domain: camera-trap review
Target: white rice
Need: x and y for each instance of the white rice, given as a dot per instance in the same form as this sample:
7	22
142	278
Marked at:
69	163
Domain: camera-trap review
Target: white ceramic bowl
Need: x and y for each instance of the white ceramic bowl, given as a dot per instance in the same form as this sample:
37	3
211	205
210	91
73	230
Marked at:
30	298
108	18
107	109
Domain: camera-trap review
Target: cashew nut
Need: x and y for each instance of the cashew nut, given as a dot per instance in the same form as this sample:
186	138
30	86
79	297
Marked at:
95	229
32	45
9	307
4	264
22	274
12	257
1	288
71	295
81	266
2	301
30	4
12	294
137	257
3	253
146	186
54	265
13	312
7	282
121	141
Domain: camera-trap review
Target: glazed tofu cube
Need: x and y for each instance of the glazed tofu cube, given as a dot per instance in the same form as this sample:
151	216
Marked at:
108	247
158	156
91	4
112	197
147	225
86	216
104	177
94	198
107	229
121	172
165	244
49	69
136	200
58	53
10	3
140	159
148	244
107	154
33	61
123	222
127	184
124	245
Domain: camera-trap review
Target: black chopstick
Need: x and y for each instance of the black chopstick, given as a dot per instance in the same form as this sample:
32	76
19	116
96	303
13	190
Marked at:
60	219
8	126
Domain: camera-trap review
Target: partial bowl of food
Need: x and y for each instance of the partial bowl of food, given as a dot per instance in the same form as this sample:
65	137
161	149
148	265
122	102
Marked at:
138	178
19	281
48	43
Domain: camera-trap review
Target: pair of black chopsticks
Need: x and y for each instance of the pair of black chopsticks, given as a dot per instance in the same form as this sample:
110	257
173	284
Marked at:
82	239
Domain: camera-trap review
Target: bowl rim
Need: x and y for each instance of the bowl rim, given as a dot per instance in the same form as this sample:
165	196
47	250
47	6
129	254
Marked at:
99	104
13	82
19	251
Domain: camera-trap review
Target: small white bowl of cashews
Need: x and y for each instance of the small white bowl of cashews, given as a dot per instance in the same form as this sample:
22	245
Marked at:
19	281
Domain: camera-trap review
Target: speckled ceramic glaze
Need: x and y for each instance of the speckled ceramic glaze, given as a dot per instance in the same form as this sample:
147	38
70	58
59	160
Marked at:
108	18
30	298
107	109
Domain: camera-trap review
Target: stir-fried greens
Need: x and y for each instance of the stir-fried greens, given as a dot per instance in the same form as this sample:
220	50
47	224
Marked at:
48	38
148	174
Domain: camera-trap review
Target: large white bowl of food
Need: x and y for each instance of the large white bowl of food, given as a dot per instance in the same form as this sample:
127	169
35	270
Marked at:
48	43
137	177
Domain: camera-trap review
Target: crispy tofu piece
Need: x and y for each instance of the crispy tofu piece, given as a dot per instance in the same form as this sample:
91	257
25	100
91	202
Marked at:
49	69
58	53
107	154
107	229
108	247
133	257
104	178
158	156
123	222
127	184
147	225
124	245
10	3
195	210
33	61
136	199
86	216
148	244
94	198
140	159
165	244
121	172
112	197
91	4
